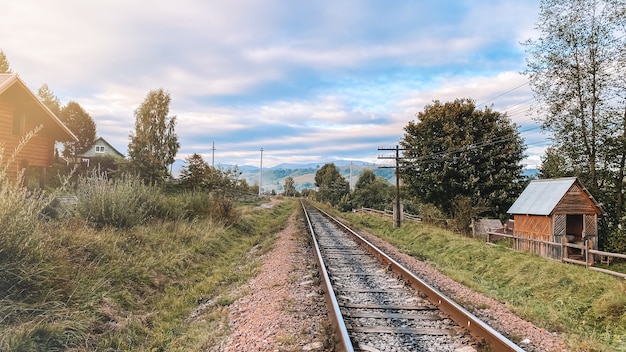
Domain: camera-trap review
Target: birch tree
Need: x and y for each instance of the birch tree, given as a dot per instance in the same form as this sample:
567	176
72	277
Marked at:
154	144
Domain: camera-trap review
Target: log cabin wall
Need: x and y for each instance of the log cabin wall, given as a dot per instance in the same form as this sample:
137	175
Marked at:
39	151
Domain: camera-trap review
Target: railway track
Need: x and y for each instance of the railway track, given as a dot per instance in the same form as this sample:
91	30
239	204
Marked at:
378	305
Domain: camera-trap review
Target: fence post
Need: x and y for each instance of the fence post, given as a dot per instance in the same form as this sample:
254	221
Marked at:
563	248
588	256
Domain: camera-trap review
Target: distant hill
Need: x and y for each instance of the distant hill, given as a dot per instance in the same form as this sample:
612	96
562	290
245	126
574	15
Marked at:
304	174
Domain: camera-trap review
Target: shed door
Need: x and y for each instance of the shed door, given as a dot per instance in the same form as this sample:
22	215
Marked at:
574	226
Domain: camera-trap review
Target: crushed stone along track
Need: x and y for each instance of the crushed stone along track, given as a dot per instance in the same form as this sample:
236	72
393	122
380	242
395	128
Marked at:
379	310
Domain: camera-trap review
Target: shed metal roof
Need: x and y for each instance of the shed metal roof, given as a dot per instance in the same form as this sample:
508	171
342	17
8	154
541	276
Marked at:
541	196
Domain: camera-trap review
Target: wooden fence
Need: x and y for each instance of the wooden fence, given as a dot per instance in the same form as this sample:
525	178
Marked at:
575	253
389	213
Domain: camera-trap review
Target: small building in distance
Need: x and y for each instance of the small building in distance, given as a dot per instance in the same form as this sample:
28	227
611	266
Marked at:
100	149
22	112
547	210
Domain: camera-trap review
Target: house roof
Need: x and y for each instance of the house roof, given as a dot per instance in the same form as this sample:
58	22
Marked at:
15	89
109	146
541	196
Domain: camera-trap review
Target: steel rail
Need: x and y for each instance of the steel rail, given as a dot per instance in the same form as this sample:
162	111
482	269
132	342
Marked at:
342	341
457	313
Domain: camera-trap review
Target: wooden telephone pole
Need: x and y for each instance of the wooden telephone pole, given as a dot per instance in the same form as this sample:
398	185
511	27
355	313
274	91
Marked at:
397	208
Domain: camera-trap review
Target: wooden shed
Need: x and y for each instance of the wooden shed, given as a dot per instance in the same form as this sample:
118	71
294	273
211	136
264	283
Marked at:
21	112
549	210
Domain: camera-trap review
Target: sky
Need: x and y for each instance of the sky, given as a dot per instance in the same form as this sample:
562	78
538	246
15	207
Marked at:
306	81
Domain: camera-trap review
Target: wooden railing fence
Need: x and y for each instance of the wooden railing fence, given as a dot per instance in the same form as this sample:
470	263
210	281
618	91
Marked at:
389	213
583	253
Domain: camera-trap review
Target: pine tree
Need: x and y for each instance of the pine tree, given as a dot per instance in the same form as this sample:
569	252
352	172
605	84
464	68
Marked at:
4	63
49	99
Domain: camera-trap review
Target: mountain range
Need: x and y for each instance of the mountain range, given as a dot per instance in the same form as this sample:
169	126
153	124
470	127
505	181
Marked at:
273	178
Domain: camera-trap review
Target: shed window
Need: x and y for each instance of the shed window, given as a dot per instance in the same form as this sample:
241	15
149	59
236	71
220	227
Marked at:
99	149
19	123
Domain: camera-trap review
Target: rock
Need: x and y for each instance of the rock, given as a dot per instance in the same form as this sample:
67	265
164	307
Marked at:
313	346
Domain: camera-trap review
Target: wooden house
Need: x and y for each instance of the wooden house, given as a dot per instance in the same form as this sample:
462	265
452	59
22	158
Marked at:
549	210
99	149
22	112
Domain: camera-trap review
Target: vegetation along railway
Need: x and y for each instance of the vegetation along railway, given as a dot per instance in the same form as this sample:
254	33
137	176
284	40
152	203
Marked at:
378	305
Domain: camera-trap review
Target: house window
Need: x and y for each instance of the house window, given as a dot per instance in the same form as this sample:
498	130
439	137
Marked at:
19	123
99	149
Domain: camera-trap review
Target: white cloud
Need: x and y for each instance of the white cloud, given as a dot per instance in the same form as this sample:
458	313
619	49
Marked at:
304	80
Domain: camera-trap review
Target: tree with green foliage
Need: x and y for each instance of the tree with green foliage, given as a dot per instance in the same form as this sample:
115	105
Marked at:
554	164
4	63
154	144
290	187
196	173
371	191
83	127
49	99
574	70
331	186
455	152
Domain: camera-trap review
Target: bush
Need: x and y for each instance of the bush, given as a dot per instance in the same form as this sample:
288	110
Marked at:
20	210
616	241
430	214
222	209
123	203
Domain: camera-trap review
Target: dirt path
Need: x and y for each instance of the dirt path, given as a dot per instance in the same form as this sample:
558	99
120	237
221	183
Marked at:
284	310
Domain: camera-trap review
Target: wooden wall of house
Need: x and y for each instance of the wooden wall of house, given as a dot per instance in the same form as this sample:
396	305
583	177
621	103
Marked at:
39	151
533	227
575	201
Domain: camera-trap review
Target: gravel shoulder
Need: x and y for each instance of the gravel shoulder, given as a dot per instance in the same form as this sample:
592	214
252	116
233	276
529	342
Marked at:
284	310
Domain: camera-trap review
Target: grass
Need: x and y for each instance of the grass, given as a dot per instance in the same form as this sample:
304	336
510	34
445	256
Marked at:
79	287
587	307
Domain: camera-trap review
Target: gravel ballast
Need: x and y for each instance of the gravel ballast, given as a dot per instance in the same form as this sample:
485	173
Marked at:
285	311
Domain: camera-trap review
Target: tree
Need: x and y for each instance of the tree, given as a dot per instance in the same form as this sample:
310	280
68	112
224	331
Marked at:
4	63
290	187
554	164
575	71
154	144
331	185
49	99
196	174
455	152
571	71
371	191
82	125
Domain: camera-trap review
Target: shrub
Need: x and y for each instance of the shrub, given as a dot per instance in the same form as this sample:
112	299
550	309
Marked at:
122	203
19	213
222	209
431	214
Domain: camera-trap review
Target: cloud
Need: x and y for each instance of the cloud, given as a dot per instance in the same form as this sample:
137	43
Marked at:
304	80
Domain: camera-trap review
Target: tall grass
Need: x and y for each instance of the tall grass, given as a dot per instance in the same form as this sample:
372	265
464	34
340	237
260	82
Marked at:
588	307
126	202
122	203
127	271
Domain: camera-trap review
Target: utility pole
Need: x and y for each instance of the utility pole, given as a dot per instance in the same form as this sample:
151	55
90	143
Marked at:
350	176
213	156
261	173
397	209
